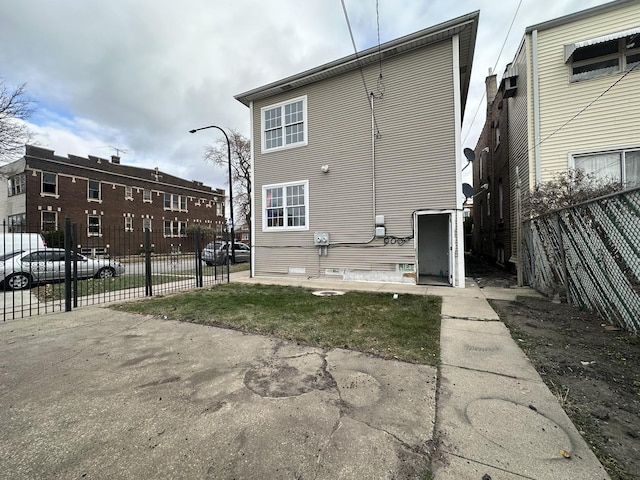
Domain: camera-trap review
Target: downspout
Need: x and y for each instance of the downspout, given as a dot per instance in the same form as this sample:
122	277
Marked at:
373	161
252	227
536	107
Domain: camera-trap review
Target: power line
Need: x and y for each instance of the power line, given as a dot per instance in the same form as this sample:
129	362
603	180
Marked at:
355	50
585	108
495	65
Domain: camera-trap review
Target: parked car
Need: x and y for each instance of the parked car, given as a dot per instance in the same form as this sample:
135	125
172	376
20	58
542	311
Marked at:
215	253
11	242
23	268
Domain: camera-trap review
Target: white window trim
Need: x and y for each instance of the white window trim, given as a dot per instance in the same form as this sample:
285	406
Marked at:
281	105
266	228
571	156
47	194
128	220
130	195
91	234
150	199
99	199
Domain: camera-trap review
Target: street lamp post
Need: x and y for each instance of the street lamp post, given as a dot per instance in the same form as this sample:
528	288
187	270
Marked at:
233	251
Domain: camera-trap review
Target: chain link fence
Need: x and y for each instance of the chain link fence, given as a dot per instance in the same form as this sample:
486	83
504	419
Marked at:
73	270
590	254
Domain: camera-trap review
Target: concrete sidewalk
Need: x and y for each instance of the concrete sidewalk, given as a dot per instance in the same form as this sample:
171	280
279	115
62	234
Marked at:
496	419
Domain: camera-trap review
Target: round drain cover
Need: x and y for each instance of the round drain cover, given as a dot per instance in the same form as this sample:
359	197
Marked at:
327	293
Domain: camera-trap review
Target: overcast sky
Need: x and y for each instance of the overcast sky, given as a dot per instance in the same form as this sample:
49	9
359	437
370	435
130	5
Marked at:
137	75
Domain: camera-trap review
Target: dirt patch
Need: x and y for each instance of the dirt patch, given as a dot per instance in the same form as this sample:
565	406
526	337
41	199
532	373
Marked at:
591	367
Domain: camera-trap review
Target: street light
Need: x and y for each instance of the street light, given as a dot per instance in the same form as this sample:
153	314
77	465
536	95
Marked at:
233	250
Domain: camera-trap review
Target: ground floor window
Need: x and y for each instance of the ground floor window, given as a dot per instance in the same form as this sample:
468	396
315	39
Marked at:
621	166
17	223
49	221
175	228
286	206
94	228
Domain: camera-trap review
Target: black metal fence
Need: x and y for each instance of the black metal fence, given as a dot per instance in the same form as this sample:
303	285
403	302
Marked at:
110	264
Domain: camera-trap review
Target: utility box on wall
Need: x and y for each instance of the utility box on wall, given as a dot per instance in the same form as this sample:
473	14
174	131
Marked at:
320	239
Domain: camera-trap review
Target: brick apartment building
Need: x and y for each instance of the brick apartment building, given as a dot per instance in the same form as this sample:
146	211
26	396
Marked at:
112	204
491	175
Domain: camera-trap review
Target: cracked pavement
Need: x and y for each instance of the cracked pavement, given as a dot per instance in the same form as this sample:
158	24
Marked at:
96	393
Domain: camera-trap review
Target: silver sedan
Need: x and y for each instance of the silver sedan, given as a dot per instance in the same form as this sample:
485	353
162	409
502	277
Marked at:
21	269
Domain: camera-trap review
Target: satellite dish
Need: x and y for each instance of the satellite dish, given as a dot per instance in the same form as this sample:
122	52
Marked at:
467	190
471	156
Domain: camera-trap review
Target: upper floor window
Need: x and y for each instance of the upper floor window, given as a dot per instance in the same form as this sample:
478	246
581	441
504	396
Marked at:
17	184
284	125
285	206
49	183
93	192
128	193
146	224
146	195
616	166
175	202
128	224
604	55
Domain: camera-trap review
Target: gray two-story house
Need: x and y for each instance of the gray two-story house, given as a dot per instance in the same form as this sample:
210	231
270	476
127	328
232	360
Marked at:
357	163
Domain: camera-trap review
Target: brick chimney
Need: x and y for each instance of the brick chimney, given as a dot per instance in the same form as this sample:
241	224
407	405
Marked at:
115	159
492	88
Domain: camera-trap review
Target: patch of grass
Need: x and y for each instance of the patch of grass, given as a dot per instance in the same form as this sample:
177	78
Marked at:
51	292
407	328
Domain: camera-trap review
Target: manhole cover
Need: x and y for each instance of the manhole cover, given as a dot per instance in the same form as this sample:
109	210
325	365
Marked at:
327	293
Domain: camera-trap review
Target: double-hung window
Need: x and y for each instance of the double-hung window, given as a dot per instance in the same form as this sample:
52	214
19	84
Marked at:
286	206
49	221
93	190
49	183
284	125
94	228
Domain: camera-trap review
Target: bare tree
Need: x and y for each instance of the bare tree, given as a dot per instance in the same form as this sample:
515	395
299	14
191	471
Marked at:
569	188
15	108
240	169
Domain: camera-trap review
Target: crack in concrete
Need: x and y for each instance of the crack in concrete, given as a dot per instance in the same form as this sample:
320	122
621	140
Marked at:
512	377
462	457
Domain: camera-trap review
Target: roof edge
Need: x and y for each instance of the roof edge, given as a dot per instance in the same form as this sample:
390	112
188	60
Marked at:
369	55
572	17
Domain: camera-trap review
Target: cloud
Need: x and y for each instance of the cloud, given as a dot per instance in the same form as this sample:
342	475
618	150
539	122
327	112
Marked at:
138	75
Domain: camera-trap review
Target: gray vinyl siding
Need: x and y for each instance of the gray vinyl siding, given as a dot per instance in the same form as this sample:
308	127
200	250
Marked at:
415	163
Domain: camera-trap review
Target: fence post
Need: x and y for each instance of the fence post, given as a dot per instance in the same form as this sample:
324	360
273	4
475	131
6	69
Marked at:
148	289
74	252
198	258
67	264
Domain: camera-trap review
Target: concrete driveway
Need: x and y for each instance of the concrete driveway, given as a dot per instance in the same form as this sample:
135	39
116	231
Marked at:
96	393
